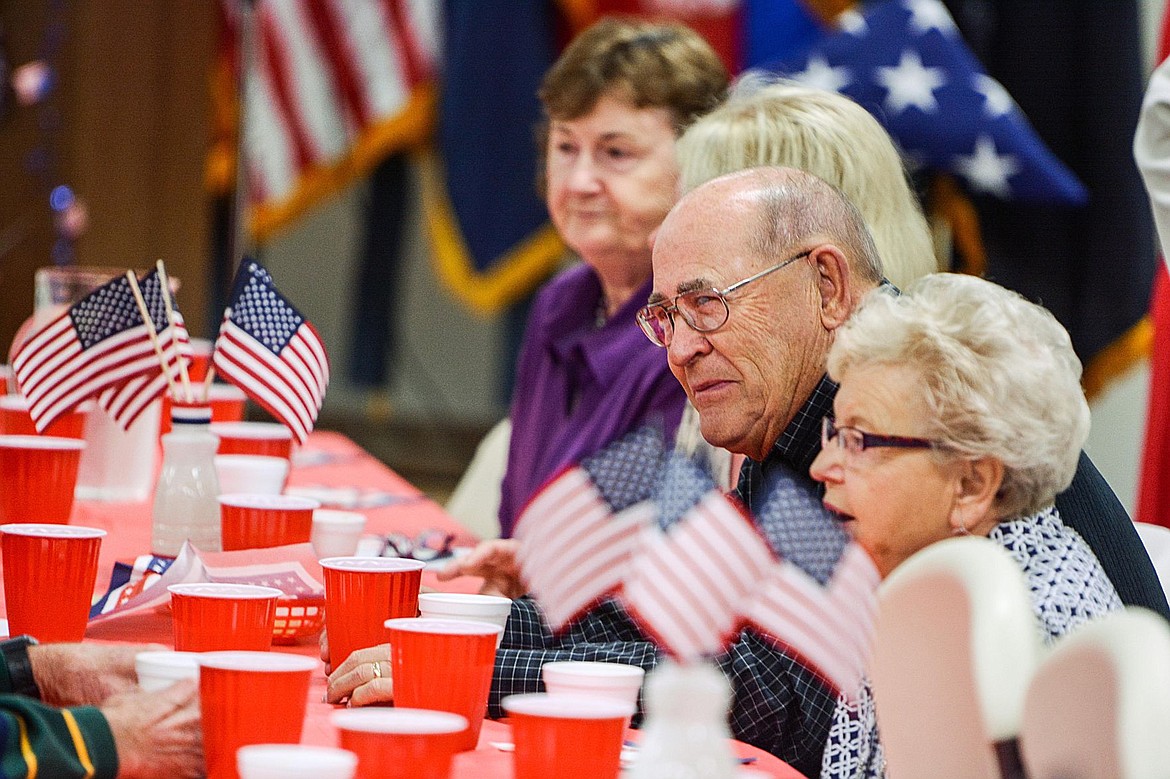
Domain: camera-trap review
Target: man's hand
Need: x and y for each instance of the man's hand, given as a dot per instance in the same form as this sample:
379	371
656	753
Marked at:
496	562
84	674
158	734
364	678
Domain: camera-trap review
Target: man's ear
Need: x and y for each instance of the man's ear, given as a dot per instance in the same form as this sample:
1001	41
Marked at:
833	285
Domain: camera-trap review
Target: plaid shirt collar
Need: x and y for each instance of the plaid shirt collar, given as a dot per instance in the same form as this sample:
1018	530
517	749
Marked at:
800	442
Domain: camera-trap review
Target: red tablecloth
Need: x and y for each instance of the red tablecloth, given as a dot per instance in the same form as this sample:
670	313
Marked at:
332	461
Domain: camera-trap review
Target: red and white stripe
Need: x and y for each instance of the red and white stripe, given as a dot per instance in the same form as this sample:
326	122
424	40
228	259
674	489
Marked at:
688	586
829	627
325	73
126	402
573	548
290	386
56	374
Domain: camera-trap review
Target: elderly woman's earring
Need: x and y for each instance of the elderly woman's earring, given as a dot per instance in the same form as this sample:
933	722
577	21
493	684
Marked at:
961	530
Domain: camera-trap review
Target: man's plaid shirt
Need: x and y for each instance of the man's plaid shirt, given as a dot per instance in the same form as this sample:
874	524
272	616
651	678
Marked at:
778	704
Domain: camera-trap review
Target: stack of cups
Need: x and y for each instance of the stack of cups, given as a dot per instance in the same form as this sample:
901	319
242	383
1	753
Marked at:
250	698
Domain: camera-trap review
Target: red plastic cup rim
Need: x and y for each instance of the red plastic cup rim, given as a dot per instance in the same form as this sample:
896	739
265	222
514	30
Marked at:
14	402
411	722
539	704
41	442
39	530
268	662
372	564
249	500
225	392
224	590
445	627
596	673
258	431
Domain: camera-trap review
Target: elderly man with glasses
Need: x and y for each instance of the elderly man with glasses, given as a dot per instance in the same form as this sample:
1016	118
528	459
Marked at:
753	274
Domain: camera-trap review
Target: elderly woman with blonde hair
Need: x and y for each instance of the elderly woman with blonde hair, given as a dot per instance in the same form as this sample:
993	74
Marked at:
959	412
769	122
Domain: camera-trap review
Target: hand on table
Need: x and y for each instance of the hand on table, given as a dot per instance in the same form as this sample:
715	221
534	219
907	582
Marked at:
158	734
364	678
496	562
84	674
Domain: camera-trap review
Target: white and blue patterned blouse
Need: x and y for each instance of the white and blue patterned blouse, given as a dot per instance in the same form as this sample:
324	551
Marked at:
1068	587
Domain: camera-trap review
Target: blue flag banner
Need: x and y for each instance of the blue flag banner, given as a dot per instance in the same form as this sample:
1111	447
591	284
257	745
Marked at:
488	226
905	61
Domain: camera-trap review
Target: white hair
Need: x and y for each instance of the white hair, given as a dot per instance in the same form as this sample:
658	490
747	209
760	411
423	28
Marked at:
998	373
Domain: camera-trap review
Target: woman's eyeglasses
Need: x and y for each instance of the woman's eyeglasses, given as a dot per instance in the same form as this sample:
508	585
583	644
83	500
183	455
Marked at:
855	441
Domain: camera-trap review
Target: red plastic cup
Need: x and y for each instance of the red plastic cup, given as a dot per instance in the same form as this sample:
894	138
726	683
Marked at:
361	593
15	419
268	438
201	349
566	735
252	521
49	573
400	743
250	698
37	477
211	616
227	405
445	665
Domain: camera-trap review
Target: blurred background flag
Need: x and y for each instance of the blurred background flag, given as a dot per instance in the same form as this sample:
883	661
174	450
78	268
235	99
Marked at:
905	61
488	226
100	341
126	401
334	86
267	349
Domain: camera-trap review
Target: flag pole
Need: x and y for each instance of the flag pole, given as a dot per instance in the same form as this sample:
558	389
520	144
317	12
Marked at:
151	331
245	39
165	289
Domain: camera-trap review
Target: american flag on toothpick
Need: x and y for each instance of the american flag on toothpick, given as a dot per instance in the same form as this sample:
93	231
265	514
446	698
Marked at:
126	401
697	567
100	341
271	352
577	533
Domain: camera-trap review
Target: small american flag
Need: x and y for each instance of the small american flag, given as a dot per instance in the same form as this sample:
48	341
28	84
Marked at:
126	401
577	533
271	352
100	341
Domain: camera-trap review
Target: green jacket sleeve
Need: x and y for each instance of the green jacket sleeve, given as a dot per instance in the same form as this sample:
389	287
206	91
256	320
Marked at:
41	740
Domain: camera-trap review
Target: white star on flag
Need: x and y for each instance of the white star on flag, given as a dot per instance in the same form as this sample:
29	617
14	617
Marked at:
926	15
910	84
821	75
852	22
999	102
987	170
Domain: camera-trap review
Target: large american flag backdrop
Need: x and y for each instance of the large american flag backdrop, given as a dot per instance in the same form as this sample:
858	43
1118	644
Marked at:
99	342
271	352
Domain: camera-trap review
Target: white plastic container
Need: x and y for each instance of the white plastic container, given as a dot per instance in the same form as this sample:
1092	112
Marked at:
186	505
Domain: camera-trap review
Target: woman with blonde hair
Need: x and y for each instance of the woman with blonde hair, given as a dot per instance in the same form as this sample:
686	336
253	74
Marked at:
770	122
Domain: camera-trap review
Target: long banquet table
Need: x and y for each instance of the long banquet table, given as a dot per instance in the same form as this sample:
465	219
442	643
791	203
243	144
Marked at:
335	466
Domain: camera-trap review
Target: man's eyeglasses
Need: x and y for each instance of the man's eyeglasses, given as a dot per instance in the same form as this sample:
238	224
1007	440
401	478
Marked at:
426	546
705	310
855	441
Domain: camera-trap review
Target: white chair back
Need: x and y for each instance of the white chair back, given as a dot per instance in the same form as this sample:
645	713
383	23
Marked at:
956	643
1157	542
475	501
1099	705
